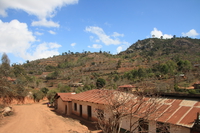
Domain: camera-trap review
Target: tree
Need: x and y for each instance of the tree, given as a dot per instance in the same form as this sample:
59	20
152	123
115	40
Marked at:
134	107
51	94
5	66
44	90
119	64
100	83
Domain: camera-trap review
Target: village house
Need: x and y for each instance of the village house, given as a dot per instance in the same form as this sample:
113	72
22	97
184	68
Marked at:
179	115
63	103
127	88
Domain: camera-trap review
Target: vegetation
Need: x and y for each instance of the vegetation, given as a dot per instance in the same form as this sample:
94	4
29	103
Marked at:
166	64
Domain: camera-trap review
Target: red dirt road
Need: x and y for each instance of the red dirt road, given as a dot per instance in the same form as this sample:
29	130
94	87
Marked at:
38	118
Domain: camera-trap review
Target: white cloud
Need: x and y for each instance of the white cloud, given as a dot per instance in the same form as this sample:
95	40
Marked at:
191	33
119	49
18	40
107	40
158	34
52	32
73	44
43	50
42	9
96	46
115	34
38	33
45	23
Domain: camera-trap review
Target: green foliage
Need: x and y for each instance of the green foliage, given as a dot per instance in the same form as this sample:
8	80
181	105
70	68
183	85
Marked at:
88	87
50	68
63	88
53	75
44	90
116	77
38	95
119	64
191	91
100	83
184	65
51	94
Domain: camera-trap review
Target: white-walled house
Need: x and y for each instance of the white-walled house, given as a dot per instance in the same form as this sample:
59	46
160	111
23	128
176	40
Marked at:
175	115
63	103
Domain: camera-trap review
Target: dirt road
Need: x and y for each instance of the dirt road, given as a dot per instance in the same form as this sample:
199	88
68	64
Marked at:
38	118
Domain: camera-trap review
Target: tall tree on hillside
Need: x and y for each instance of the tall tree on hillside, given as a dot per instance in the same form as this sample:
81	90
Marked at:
5	65
9	88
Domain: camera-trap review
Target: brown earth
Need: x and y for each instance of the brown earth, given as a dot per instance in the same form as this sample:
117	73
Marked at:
38	118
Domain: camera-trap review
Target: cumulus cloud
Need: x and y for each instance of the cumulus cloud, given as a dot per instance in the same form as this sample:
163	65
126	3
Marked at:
38	33
45	23
18	40
43	50
191	33
73	44
96	46
115	34
42	9
107	40
119	49
52	32
156	33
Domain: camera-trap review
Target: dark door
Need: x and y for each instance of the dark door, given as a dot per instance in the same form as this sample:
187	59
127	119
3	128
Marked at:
89	112
81	111
65	109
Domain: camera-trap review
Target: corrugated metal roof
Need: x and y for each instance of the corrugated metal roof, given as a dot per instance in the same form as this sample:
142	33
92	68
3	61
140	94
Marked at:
180	111
169	110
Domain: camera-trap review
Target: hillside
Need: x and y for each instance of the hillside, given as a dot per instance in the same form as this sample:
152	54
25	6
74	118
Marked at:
152	62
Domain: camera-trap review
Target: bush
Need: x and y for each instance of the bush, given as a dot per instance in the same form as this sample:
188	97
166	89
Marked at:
100	83
191	91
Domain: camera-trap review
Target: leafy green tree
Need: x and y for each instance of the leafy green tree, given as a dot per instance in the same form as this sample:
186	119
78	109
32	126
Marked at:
38	95
119	64
100	83
116	77
44	90
184	65
5	66
51	94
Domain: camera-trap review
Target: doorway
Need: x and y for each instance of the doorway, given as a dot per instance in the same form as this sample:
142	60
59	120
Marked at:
81	111
89	112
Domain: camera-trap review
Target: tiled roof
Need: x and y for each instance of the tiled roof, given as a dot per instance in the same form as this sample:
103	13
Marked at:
93	96
169	110
65	96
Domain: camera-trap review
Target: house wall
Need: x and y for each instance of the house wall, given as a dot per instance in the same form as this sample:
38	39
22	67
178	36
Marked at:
61	107
125	122
94	106
152	126
179	129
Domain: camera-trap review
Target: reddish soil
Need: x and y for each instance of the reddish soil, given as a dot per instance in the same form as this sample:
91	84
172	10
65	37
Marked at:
38	118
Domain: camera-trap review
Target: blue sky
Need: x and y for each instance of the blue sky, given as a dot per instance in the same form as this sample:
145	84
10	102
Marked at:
34	29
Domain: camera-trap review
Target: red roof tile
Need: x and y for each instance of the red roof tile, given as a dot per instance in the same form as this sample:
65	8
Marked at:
94	96
175	111
65	96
